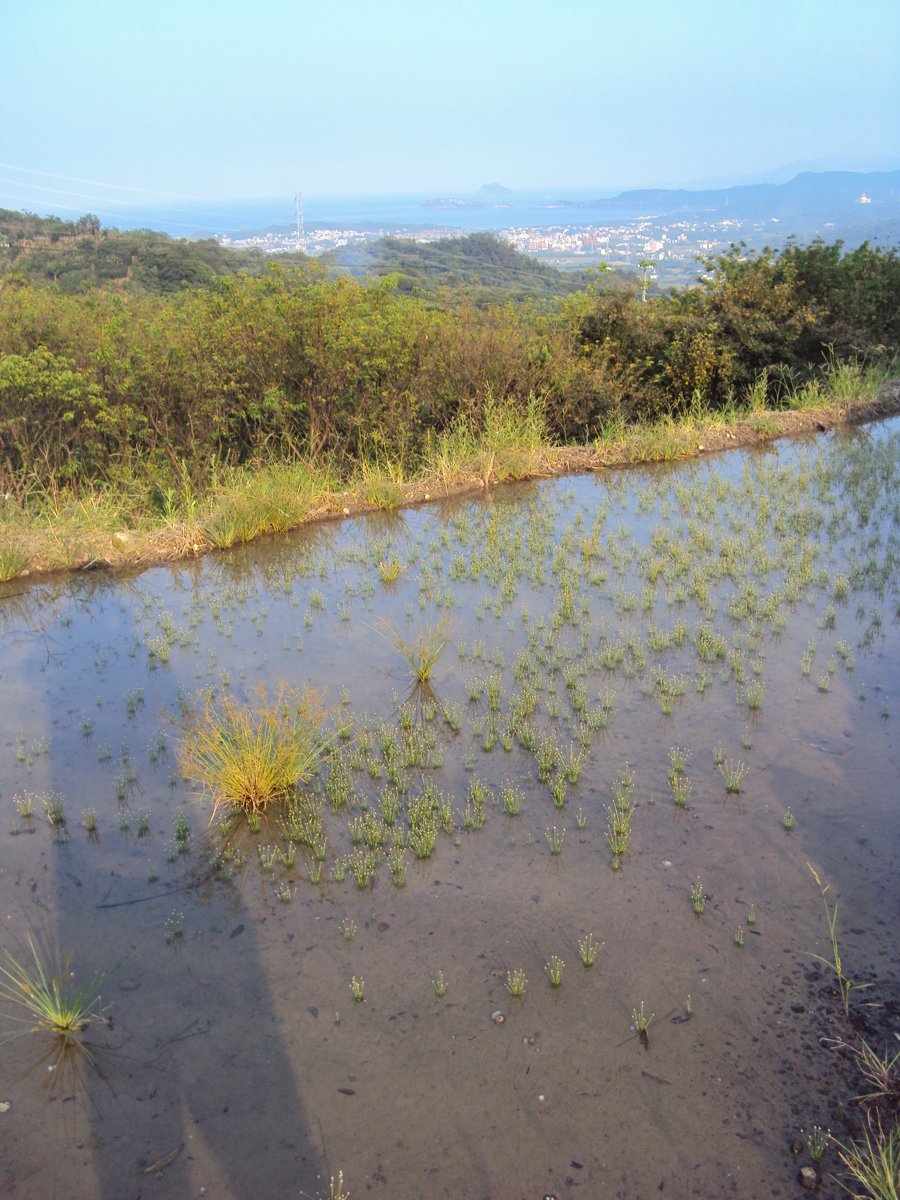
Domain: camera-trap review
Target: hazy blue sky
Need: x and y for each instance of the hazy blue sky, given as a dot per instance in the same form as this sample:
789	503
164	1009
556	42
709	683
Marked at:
231	99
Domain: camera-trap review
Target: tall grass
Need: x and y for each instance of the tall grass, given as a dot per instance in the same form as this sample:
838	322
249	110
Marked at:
248	757
874	1164
504	441
254	500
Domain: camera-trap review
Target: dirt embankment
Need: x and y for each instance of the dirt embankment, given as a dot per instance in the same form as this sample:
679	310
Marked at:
121	548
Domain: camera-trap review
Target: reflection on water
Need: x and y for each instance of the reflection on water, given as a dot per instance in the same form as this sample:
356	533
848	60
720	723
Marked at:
742	607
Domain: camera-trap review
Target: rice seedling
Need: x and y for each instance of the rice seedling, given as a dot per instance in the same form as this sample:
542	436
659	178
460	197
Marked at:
698	897
54	808
336	1187
788	819
555	838
338	870
840	589
580	820
511	799
753	693
268	857
570	764
362	863
358	988
452	715
53	999
751	915
439	984
681	791
588	949
554	969
175	926
558	792
250	757
816	1141
24	804
739	937
733	773
347	927
641	1022
547	756
516	983
182	828
678	760
396	861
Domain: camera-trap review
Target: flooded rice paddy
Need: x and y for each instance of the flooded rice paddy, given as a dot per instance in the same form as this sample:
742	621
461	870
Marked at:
292	1001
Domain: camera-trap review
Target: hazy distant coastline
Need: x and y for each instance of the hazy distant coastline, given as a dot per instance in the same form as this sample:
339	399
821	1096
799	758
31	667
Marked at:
808	202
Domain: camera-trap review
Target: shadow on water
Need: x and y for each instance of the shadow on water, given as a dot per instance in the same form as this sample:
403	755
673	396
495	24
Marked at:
191	1083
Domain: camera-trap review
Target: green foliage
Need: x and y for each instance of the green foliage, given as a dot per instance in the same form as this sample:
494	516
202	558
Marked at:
206	368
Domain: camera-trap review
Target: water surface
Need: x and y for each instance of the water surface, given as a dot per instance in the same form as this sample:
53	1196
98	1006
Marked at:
743	605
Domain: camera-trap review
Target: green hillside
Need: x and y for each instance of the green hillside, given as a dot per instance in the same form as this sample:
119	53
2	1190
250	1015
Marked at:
78	254
486	268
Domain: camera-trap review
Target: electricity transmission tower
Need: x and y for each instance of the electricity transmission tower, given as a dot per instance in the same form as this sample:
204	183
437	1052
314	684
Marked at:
298	213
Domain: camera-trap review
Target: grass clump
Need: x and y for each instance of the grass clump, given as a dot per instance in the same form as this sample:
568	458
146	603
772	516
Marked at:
733	773
248	757
873	1164
54	1001
13	560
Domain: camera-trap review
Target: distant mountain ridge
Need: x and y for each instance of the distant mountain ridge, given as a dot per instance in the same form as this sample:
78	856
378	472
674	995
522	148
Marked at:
809	198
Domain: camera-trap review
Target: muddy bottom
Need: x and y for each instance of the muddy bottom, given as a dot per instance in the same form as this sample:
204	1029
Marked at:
615	645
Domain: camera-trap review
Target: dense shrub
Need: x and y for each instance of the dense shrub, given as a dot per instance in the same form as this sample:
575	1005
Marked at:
292	362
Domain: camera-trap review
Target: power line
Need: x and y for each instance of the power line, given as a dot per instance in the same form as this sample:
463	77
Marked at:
121	187
65	192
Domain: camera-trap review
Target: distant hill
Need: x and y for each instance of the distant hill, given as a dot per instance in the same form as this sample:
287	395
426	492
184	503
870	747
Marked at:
806	202
77	254
72	254
480	264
